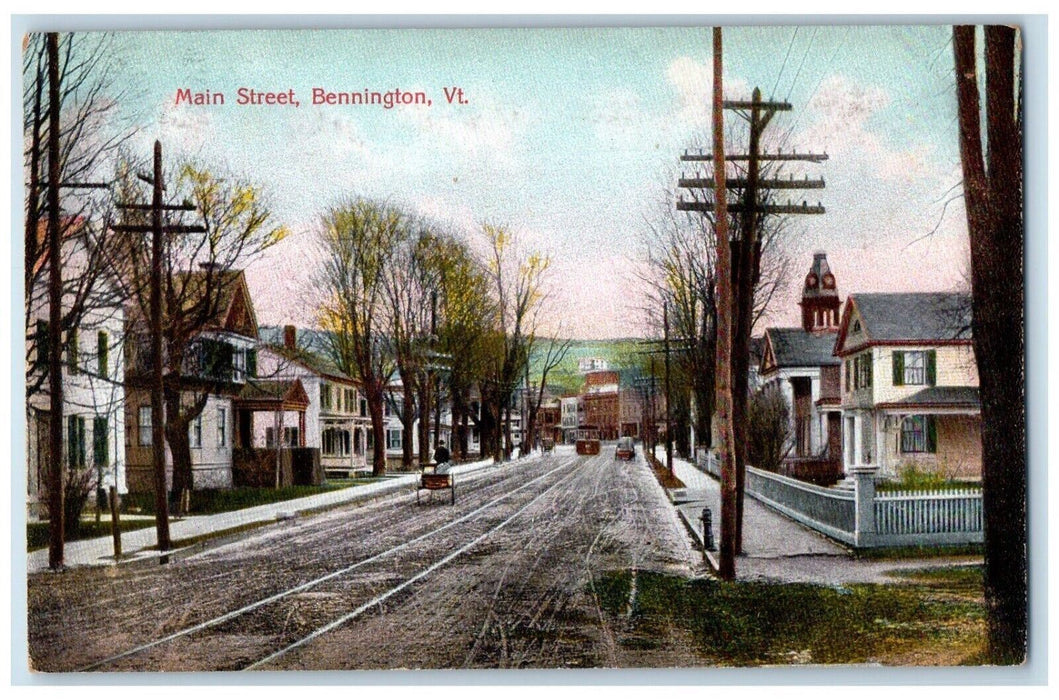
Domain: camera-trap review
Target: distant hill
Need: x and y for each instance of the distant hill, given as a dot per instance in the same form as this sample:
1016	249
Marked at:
619	354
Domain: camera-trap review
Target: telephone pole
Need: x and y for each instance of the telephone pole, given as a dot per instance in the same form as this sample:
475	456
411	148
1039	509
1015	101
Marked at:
157	230
744	253
669	398
55	385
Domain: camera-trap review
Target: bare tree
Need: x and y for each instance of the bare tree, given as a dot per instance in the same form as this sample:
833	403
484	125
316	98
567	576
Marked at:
90	136
200	274
993	200
551	355
517	277
357	240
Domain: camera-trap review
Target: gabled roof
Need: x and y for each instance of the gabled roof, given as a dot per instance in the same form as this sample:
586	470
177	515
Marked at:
794	347
911	317
939	397
272	395
314	362
233	310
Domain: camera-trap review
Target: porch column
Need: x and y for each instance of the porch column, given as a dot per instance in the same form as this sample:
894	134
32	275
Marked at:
787	388
858	440
301	428
816	434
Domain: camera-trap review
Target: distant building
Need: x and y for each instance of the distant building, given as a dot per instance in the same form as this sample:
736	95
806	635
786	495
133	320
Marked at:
602	403
592	364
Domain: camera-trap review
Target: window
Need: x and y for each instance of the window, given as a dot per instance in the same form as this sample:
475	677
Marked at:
325	396
195	432
75	441
100	451
350	400
102	354
145	426
336	442
222	427
290	436
919	434
393	439
239	365
43	341
71	351
862	370
363	407
270	437
914	367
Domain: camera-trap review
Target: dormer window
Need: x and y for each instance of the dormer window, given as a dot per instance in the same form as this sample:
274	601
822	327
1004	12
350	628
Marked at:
856	326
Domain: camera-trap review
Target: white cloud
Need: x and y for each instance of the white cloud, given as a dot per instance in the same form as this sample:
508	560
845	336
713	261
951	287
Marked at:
484	130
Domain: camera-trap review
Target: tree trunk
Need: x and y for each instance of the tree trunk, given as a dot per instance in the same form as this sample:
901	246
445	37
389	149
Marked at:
994	216
374	393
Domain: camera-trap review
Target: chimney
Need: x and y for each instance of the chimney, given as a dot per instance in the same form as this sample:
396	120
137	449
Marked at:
290	337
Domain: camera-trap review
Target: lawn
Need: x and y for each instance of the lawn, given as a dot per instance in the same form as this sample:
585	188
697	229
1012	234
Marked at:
37	533
210	501
938	618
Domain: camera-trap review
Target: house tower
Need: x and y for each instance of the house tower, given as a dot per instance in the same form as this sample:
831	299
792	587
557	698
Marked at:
820	300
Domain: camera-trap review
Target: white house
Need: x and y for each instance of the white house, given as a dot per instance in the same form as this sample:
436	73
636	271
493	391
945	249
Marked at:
910	384
92	377
799	363
336	421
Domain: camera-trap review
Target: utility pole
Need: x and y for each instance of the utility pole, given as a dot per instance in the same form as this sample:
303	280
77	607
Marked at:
55	385
156	229
724	326
745	252
669	398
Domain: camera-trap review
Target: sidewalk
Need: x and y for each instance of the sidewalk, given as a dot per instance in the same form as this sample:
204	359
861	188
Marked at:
138	544
776	548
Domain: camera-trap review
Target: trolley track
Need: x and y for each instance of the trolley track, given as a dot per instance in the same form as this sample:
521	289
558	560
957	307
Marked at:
390	564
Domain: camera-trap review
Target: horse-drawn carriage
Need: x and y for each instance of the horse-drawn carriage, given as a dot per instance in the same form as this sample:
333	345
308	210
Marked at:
430	479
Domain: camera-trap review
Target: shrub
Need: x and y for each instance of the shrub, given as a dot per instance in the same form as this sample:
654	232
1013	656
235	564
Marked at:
768	429
77	487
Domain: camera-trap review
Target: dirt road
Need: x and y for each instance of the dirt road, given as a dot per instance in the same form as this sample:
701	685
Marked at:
502	579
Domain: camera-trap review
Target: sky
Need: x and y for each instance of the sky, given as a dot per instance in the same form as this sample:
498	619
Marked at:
572	139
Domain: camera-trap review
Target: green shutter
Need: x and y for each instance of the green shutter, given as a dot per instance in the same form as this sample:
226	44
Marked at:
75	441
869	367
899	368
102	354
932	367
71	350
100	451
251	362
932	435
849	387
43	344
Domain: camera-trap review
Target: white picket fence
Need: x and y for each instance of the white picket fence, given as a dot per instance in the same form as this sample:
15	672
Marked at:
863	517
942	516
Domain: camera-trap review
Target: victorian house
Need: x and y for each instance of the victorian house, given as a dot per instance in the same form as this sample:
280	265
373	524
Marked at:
910	384
798	362
219	362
